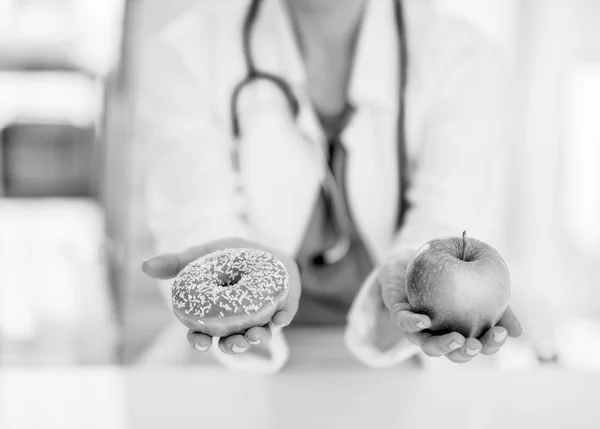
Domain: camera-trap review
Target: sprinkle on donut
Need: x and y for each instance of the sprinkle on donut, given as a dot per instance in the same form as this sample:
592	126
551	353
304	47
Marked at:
229	282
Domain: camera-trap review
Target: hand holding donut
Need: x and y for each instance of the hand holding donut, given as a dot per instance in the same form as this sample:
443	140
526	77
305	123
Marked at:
222	259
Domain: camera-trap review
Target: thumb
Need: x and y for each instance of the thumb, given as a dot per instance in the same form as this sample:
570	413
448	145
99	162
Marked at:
391	276
168	265
391	280
164	266
511	323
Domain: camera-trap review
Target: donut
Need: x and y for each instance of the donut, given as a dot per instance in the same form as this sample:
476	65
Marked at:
229	291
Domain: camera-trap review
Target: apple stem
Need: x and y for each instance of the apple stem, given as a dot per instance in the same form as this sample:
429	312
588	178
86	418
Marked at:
464	244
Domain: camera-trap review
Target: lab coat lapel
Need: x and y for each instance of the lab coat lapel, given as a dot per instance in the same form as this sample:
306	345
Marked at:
281	169
370	138
280	159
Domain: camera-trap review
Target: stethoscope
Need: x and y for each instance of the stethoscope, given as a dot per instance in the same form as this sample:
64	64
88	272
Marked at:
330	187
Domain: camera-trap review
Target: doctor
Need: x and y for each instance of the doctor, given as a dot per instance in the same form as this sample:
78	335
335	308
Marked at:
340	135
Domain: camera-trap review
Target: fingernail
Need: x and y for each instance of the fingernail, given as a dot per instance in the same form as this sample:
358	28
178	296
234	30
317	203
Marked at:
237	349
283	325
145	263
201	348
151	263
454	345
499	336
472	352
423	325
254	342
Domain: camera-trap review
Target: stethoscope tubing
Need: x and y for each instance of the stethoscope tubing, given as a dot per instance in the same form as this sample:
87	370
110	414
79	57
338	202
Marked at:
328	182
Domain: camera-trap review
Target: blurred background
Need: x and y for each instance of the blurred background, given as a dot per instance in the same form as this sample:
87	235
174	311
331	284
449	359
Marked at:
72	231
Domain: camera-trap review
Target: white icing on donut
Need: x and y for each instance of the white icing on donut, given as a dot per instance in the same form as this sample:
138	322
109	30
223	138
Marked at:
199	290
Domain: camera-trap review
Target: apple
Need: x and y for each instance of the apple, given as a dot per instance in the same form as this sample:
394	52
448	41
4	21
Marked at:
461	283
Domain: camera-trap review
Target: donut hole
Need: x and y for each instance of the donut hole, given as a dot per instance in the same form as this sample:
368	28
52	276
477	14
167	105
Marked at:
226	280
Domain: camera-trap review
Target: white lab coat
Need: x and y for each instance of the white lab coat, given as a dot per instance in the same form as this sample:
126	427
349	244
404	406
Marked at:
458	125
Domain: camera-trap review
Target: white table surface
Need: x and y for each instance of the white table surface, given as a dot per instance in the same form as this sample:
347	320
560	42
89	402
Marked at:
200	398
322	387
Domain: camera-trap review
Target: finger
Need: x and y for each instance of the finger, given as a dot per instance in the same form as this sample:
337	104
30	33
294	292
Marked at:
465	354
493	340
164	266
285	316
472	347
234	344
394	299
418	338
199	341
394	269
457	357
259	335
168	265
407	320
282	319
439	345
511	323
391	280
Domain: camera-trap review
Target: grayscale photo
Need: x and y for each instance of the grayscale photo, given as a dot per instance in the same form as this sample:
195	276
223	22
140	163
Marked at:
291	214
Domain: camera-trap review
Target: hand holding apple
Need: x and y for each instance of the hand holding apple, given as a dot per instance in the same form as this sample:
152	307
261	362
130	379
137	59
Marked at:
437	323
462	284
